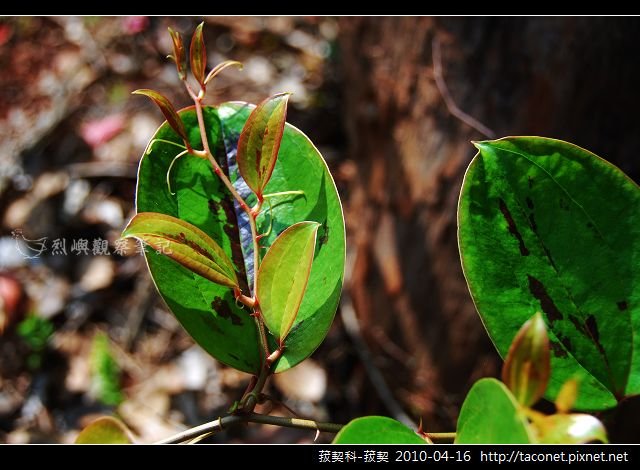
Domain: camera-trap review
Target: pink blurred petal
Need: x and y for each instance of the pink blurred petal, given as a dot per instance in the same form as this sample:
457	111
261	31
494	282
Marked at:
99	131
135	24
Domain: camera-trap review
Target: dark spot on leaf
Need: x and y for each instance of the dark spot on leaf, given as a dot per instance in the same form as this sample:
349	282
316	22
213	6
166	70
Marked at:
234	356
532	222
529	203
538	290
323	234
557	349
589	328
512	227
258	162
579	325
592	327
182	238
564	205
222	308
210	323
530	182
548	253
622	305
566	342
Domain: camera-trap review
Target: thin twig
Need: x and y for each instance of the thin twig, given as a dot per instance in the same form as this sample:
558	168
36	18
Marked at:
446	96
294	423
205	428
221	423
441	436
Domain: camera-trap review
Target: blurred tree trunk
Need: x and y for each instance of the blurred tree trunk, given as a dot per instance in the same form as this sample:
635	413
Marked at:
568	78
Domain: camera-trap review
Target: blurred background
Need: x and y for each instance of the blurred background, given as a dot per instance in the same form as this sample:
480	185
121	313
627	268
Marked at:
392	104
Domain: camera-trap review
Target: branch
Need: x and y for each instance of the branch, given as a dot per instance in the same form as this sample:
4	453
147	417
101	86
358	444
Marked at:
221	423
446	96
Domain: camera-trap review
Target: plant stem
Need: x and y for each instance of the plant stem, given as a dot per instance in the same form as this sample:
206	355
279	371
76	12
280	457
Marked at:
207	428
221	423
294	423
252	217
441	436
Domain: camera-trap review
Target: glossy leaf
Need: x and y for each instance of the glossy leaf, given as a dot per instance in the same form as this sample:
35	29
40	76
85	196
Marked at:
491	415
184	243
570	429
283	277
207	310
526	369
179	56
105	430
377	430
220	67
198	55
260	142
167	109
547	226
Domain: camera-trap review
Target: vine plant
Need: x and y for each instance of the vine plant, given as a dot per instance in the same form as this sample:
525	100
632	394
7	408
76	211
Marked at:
247	247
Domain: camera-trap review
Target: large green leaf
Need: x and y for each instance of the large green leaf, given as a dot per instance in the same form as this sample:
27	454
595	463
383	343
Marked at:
546	225
491	415
283	277
208	311
377	430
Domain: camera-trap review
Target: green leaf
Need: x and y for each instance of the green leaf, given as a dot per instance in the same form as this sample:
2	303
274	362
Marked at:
198	55
527	366
377	430
184	243
105	430
546	225
570	429
283	276
207	310
167	109
491	415
260	142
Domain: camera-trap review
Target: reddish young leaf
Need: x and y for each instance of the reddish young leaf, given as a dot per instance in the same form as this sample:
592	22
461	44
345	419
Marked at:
259	142
178	56
198	55
220	67
527	367
167	109
184	243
